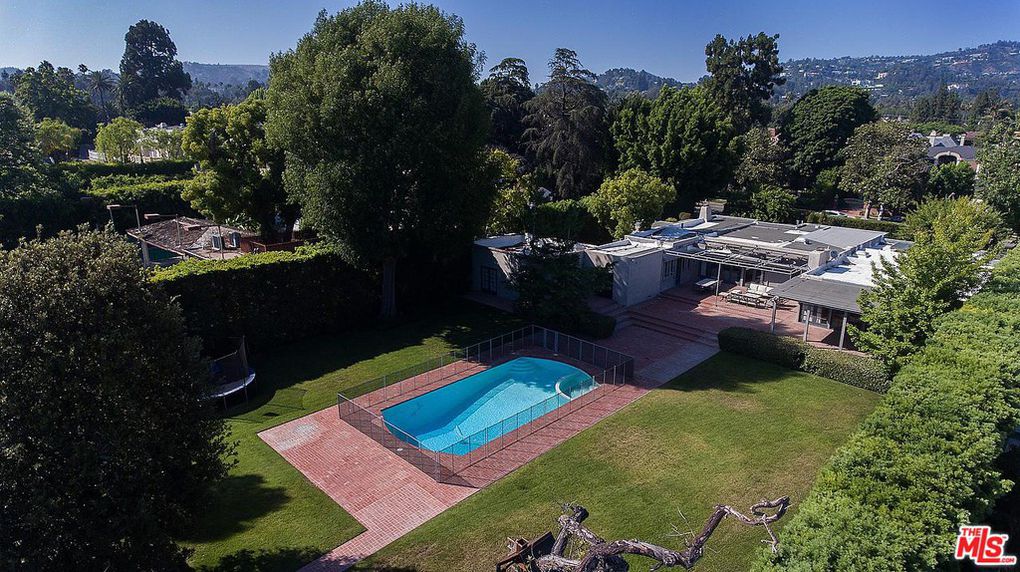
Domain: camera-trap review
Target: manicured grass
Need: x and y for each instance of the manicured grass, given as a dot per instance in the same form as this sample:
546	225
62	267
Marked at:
266	516
731	431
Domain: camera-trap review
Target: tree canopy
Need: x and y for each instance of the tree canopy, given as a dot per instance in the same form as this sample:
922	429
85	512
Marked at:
516	194
762	163
999	185
21	164
567	127
105	446
506	90
926	281
943	105
149	68
632	199
884	165
743	74
952	180
49	92
772	203
240	175
56	138
384	125
819	124
686	140
118	139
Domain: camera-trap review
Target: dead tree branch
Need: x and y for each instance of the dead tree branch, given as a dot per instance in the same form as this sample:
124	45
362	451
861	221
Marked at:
602	556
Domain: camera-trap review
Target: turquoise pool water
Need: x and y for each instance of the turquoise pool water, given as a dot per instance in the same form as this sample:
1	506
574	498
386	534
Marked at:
464	415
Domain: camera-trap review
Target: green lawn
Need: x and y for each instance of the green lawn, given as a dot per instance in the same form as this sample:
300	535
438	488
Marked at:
733	430
266	516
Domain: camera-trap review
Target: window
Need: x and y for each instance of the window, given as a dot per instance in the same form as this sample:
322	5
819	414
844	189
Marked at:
669	268
817	315
489	280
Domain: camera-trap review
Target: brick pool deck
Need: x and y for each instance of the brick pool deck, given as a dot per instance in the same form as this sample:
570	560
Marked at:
388	495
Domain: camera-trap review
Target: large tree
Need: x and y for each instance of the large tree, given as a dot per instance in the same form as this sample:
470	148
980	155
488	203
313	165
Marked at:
384	127
105	445
149	68
951	239
686	140
21	163
762	164
516	195
943	106
952	180
999	184
743	74
884	165
50	92
631	200
506	90
56	138
568	131
818	125
240	175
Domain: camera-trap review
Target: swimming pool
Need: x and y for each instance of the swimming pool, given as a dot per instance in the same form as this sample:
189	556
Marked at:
464	415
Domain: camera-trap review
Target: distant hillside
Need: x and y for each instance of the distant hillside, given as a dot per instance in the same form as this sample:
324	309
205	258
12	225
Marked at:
896	79
226	74
621	81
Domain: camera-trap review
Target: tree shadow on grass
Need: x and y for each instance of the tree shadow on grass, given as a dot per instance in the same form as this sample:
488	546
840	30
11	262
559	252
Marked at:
280	369
280	560
231	504
730	373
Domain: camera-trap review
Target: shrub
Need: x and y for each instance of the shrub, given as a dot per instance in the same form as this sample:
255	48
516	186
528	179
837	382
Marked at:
51	209
895	229
271	297
595	325
567	219
851	369
786	352
924	462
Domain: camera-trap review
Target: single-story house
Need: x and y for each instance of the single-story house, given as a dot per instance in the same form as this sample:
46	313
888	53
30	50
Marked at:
174	239
713	252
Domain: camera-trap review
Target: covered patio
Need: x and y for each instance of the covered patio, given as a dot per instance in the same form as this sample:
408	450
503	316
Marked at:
754	265
824	303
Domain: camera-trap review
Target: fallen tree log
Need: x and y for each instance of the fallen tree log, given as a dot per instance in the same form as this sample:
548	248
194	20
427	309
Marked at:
604	556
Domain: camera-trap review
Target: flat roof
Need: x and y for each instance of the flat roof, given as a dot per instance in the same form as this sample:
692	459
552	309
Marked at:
827	293
627	248
858	268
843	237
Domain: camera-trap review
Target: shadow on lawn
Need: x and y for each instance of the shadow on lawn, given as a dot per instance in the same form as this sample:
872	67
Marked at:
281	560
730	373
232	503
282	368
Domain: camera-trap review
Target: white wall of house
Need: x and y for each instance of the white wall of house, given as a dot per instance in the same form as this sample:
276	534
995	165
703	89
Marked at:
493	263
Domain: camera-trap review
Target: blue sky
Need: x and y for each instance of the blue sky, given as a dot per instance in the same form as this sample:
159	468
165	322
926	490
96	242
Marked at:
665	38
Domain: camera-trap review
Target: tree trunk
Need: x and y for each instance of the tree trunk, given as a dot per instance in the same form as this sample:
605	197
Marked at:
389	288
867	209
602	556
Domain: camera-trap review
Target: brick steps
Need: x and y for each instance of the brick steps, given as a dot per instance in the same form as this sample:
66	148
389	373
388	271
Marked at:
661	325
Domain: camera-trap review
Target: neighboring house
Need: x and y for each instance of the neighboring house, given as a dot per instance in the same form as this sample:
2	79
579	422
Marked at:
946	150
174	239
716	252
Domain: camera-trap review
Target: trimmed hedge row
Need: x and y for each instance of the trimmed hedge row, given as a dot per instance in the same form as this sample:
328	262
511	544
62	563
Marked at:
895	229
851	369
924	462
270	297
162	197
568	219
88	170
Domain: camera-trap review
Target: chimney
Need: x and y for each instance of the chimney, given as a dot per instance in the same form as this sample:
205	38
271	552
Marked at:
705	213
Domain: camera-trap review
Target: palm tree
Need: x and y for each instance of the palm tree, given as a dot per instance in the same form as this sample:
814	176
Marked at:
101	83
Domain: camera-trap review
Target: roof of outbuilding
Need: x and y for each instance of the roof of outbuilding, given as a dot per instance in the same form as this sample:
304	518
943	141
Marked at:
843	237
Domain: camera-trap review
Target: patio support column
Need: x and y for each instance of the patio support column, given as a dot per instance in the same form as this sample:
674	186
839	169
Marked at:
807	323
718	277
775	306
842	330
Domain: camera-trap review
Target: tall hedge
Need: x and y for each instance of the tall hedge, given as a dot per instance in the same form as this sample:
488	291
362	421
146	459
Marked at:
162	197
924	462
567	219
895	229
851	369
89	169
270	297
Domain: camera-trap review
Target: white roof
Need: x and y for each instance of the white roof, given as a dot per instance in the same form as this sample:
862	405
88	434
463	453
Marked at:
857	268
